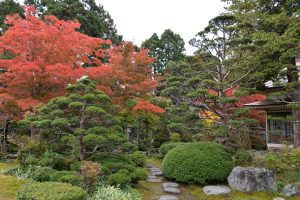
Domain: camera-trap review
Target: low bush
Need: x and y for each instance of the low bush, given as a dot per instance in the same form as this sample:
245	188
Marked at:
31	160
90	172
119	179
198	162
175	137
139	158
66	177
242	157
138	174
42	174
107	192
50	191
166	147
128	147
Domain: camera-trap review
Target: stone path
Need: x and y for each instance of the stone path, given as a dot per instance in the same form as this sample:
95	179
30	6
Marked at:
168	187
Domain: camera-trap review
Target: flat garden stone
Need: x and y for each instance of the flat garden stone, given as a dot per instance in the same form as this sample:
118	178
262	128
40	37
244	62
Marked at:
216	190
152	177
155	170
157	173
170	184
172	190
153	180
291	189
168	197
278	198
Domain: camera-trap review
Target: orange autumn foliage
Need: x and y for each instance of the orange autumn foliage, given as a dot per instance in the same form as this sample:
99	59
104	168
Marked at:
47	56
144	105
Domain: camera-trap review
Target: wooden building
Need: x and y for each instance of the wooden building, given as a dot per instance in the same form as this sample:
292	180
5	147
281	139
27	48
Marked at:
279	126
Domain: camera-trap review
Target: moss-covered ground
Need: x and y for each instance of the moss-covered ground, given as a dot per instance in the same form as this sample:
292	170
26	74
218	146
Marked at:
151	191
9	185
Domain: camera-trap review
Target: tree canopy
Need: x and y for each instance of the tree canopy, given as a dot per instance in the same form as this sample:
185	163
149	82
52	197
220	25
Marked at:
169	47
94	19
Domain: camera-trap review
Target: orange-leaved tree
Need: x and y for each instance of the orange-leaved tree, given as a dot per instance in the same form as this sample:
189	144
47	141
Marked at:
127	75
47	55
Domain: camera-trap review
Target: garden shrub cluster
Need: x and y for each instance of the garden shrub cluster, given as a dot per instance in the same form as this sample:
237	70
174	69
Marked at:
198	162
242	157
50	191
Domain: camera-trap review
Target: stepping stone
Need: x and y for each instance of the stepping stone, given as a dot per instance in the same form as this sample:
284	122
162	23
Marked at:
172	190
216	190
170	184
155	170
168	197
157	173
278	198
152	177
153	180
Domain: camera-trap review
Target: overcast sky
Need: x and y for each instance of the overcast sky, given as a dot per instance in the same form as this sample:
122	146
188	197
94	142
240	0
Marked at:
137	20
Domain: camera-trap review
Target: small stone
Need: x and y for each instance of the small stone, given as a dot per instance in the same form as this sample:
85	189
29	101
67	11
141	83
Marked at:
153	180
168	197
157	173
170	184
216	190
278	198
172	190
152	177
291	189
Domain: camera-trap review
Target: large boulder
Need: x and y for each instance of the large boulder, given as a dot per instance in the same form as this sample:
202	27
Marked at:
250	179
291	189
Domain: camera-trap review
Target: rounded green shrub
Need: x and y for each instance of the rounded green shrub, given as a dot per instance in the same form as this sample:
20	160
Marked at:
139	158
42	174
107	192
198	162
119	179
166	147
31	160
66	177
50	191
138	174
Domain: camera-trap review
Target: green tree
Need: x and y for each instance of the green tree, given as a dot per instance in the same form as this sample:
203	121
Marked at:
273	35
85	120
169	47
8	7
94	20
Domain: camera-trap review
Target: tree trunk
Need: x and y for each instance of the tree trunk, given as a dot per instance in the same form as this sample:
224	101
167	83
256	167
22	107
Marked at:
149	143
4	139
81	149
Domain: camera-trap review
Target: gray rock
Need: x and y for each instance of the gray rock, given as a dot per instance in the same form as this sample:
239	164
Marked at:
291	189
250	179
170	184
157	173
168	197
216	190
155	170
153	180
152	177
278	198
172	190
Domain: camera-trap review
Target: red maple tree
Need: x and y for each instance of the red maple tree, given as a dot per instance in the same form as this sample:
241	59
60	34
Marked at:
47	55
128	74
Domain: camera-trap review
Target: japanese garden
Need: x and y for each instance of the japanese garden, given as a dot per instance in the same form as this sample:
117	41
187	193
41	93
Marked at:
87	115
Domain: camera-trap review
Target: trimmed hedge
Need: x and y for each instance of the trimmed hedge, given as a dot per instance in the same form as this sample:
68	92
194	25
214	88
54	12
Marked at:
50	191
119	178
198	162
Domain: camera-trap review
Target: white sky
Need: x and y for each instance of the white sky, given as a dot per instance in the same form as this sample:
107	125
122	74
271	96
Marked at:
137	20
